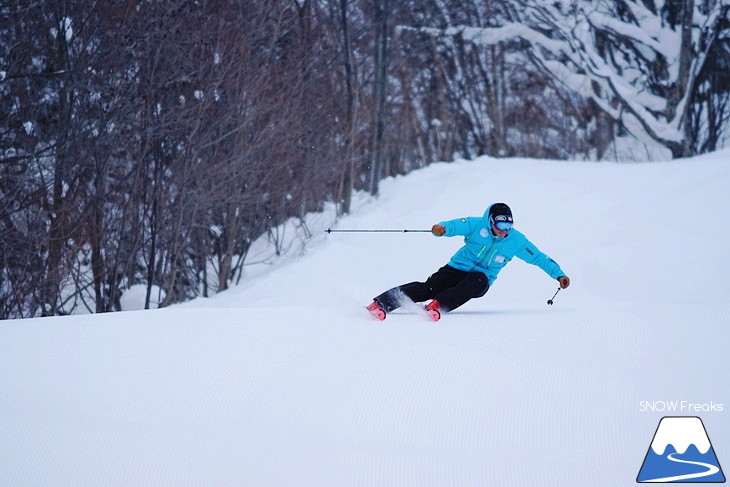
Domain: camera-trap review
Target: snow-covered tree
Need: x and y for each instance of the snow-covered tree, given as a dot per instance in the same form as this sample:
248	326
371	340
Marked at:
638	60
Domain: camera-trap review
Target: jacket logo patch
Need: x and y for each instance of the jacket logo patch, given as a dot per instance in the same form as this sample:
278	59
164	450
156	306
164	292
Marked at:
499	259
484	232
463	220
529	251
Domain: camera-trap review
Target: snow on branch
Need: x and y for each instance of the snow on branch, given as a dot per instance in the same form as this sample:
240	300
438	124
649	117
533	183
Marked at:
634	63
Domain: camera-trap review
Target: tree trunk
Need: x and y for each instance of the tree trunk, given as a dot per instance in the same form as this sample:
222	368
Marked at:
57	209
347	180
381	72
97	257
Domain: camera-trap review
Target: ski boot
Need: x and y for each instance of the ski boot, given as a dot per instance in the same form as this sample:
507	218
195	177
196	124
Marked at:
433	310
376	310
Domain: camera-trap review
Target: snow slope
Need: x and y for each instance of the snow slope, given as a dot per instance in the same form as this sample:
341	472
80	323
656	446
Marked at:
285	380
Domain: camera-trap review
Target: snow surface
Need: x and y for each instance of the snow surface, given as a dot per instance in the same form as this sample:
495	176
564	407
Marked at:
134	298
285	380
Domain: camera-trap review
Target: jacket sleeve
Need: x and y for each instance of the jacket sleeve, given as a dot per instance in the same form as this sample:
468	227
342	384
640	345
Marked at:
532	255
460	226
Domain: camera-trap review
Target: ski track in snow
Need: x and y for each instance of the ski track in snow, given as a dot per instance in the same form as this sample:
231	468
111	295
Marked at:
286	380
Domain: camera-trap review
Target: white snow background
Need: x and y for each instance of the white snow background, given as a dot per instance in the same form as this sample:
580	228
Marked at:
286	381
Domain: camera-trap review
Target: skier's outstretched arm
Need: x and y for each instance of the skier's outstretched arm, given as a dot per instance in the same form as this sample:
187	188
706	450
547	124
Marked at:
532	255
459	226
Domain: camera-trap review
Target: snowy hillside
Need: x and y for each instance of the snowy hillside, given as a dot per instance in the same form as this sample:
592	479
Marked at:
286	380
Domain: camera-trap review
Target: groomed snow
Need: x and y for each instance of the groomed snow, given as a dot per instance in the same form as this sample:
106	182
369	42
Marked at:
285	380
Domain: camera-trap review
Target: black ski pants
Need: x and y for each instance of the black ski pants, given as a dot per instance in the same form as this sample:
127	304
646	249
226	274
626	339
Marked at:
450	287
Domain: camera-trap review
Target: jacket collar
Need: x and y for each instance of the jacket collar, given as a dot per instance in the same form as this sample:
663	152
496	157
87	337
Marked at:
494	237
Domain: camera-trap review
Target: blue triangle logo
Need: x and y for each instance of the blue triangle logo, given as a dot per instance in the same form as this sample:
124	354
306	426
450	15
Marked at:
680	452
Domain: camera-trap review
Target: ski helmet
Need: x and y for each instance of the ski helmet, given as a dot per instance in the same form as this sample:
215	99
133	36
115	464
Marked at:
500	215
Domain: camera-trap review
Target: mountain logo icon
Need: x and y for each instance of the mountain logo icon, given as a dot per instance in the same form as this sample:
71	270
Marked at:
680	452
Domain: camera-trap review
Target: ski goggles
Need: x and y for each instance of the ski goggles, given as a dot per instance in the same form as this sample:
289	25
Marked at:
502	222
503	225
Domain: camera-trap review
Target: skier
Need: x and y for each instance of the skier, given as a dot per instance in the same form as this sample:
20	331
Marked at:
490	243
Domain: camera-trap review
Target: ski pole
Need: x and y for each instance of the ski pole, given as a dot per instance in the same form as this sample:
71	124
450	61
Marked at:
329	230
550	301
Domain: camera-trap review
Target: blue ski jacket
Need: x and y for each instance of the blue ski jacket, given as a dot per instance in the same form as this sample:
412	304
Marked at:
484	252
